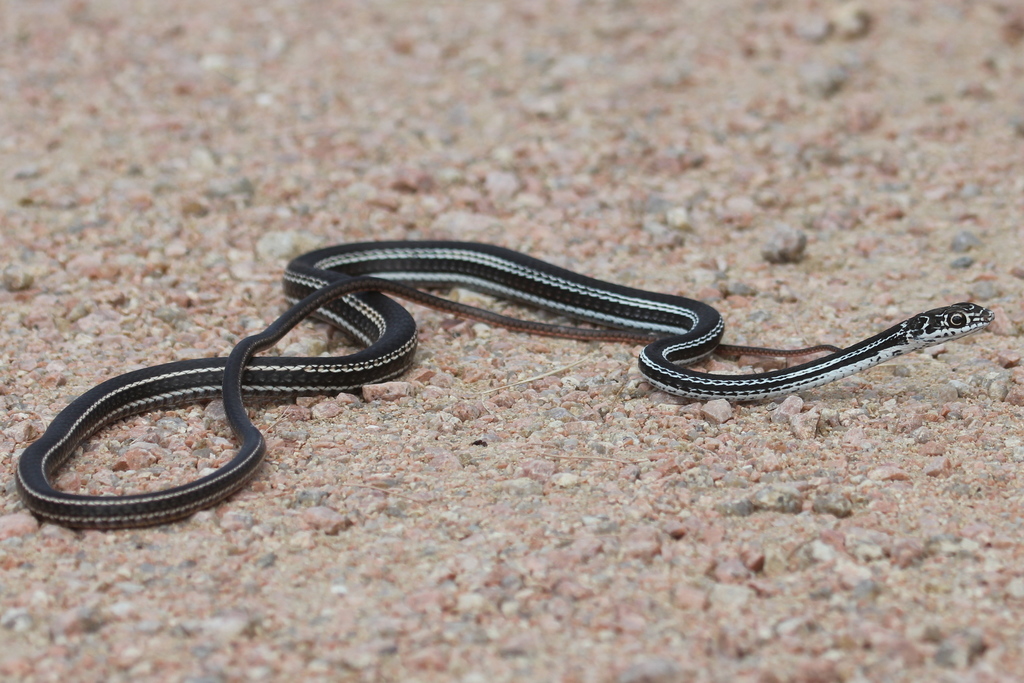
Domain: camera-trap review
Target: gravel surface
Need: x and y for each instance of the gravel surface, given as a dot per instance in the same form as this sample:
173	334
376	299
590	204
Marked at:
522	509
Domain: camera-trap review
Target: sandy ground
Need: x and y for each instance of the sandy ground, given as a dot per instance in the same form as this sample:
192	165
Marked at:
161	162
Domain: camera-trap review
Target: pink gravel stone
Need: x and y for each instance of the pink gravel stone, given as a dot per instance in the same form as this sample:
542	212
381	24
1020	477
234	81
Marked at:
937	467
643	543
446	462
804	426
787	409
888	473
325	410
538	469
690	598
17	524
387	391
717	411
325	519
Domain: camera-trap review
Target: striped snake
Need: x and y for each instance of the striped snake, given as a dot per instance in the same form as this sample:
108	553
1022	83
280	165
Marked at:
345	286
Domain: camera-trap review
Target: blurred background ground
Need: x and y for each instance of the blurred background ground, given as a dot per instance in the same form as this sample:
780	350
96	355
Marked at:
162	161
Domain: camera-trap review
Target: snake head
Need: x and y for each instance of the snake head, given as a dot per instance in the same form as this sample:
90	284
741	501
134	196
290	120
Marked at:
947	323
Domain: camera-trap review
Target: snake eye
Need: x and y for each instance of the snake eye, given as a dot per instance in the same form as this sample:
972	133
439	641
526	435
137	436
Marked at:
958	320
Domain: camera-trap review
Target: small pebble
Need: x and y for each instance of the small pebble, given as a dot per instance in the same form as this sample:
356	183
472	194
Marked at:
472	603
984	290
643	543
805	425
937	467
501	185
735	508
22	432
308	347
651	670
851	573
970	191
1008	358
446	462
717	411
835	504
228	627
731	570
851	20
675	75
17	278
214	411
960	649
236	520
739	289
655	204
678	218
778	498
27	172
867	590
656	228
814	28
224	187
77	621
906	552
466	411
888	473
387	391
690	598
326	410
1012	29
171	315
786	245
817	551
950	545
521	486
822	80
411	180
730	596
325	519
538	469
1014	589
964	241
675	528
282	246
864	549
17	524
193	208
785	411
565	480
1015	395
17	619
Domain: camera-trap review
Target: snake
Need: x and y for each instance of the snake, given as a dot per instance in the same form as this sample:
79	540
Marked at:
347	286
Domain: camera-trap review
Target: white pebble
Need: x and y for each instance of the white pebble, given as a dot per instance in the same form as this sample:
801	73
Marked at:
565	480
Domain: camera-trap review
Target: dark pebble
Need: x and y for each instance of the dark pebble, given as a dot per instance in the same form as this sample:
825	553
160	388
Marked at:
964	241
961	262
